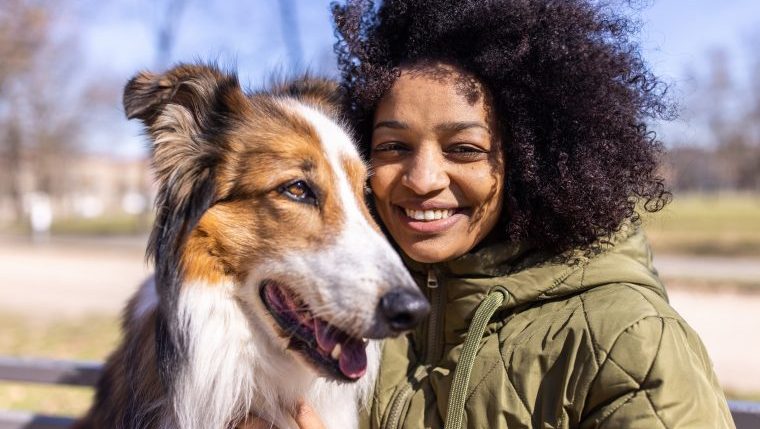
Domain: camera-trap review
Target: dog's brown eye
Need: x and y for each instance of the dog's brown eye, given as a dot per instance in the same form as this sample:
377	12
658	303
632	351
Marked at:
299	191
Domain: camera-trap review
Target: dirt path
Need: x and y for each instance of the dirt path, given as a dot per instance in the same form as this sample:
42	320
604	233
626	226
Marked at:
73	278
68	279
729	325
712	268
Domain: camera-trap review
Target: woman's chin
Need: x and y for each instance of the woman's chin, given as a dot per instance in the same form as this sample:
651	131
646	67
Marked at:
431	251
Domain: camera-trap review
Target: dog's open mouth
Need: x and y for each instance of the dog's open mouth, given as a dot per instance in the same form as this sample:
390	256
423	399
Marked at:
327	347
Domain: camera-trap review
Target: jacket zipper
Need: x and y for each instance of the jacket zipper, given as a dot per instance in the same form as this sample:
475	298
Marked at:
395	415
436	296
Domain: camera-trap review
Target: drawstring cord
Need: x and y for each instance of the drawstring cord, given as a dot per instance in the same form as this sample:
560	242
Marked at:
486	310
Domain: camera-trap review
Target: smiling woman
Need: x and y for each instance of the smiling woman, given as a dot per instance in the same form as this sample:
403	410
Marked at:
509	151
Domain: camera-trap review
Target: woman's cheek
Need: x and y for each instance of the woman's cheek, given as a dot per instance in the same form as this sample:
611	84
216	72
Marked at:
482	182
380	185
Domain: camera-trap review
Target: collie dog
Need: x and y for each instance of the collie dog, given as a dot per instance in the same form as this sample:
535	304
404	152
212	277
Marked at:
271	278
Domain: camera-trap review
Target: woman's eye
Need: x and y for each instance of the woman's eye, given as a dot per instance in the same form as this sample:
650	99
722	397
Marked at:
299	191
463	149
389	147
466	152
388	151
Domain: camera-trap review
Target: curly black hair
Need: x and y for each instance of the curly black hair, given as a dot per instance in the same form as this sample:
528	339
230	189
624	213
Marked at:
569	89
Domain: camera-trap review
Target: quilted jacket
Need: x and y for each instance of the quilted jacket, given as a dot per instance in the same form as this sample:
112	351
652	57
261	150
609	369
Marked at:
591	343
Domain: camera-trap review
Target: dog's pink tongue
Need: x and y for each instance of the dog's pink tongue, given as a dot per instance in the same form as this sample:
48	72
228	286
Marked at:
353	359
353	356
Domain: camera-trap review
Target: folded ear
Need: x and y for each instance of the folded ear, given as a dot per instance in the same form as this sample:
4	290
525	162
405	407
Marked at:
188	89
145	93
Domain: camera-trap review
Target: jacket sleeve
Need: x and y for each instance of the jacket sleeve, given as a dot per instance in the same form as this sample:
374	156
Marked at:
656	374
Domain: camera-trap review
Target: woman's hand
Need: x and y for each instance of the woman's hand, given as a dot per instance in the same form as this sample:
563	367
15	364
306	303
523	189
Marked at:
305	417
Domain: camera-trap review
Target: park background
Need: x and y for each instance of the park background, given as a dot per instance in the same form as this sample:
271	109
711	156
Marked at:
75	188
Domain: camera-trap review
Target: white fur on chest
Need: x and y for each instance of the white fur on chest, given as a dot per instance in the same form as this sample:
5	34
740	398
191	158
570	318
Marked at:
234	369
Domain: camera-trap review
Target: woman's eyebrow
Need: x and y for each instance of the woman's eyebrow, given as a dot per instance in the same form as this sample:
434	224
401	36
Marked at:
451	127
396	125
445	127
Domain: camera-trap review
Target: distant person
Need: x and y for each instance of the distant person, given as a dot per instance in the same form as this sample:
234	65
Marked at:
40	216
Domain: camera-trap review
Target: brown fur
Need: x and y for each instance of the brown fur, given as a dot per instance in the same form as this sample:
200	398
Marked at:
120	388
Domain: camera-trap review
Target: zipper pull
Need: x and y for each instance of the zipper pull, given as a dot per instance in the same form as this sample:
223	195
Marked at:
432	280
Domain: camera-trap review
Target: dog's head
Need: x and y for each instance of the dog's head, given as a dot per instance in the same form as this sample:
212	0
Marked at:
265	191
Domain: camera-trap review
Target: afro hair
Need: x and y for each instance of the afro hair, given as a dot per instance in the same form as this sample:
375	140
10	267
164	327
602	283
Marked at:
570	92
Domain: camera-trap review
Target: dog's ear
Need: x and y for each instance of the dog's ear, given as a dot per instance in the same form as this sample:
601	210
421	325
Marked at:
184	111
197	89
145	93
322	92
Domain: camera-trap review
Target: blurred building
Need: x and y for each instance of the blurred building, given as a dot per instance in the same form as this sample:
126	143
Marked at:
77	186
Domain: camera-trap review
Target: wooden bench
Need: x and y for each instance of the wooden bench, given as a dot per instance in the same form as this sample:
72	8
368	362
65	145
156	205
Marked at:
746	414
44	371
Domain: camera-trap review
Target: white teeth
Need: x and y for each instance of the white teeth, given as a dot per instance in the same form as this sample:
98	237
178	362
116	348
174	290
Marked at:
365	341
429	214
335	353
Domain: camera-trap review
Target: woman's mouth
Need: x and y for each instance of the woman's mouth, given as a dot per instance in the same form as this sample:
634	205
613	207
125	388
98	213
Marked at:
430	221
428	215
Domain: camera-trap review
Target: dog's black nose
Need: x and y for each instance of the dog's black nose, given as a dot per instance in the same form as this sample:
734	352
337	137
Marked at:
403	309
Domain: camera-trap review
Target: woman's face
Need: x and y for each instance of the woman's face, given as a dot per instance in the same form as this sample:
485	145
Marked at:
437	166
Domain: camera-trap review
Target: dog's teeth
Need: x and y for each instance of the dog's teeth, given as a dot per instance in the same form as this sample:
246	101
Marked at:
365	341
335	353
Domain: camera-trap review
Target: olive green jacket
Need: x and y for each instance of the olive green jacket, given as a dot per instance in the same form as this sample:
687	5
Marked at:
589	344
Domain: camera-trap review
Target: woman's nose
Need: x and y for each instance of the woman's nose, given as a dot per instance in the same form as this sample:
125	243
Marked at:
426	172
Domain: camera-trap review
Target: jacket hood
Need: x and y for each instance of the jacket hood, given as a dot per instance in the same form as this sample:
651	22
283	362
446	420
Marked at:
530	278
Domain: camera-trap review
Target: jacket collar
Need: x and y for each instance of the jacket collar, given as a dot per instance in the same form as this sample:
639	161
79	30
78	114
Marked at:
531	277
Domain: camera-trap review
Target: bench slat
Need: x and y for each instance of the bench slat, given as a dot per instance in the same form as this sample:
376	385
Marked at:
746	414
20	420
49	371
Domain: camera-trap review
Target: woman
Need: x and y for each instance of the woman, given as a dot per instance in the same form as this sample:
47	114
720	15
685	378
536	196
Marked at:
510	152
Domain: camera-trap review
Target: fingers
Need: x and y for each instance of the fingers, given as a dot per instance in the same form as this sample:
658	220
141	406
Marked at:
307	418
253	422
304	416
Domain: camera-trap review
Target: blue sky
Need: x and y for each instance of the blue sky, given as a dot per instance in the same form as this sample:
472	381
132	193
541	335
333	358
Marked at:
118	39
678	33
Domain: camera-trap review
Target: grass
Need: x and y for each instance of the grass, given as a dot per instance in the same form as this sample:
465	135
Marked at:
110	225
89	338
707	225
106	225
742	396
